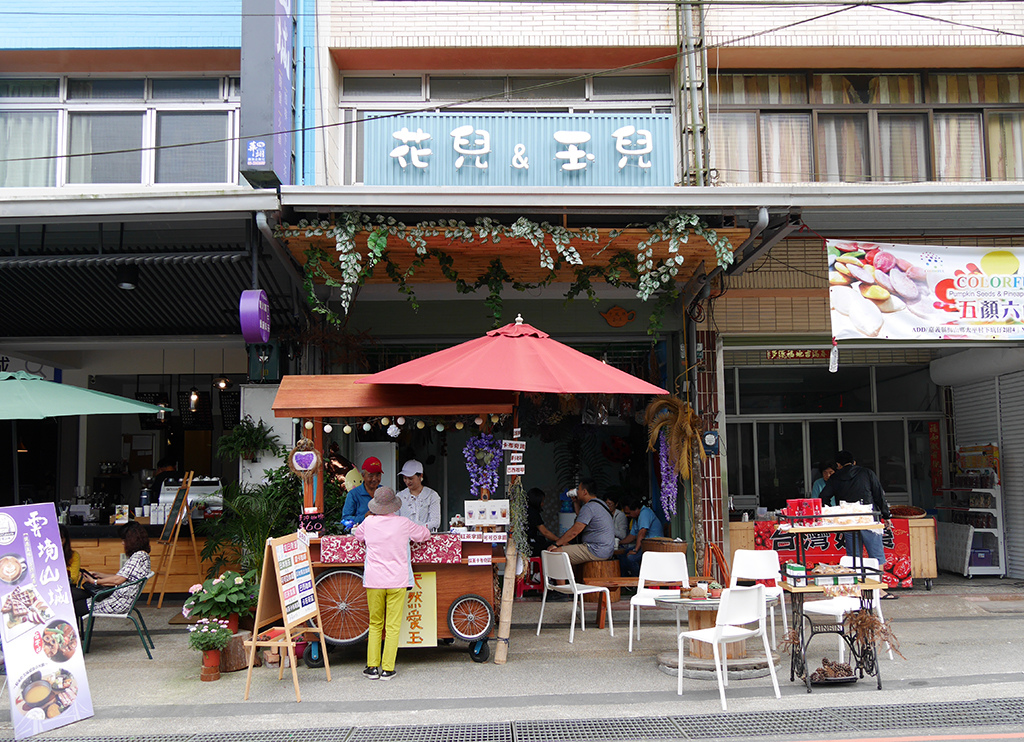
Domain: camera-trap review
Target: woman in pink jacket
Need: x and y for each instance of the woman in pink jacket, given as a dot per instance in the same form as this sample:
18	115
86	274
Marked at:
387	574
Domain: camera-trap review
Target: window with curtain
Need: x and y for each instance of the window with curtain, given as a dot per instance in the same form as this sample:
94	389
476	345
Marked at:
1006	146
28	143
733	139
903	147
786	147
200	163
957	142
843	147
105	148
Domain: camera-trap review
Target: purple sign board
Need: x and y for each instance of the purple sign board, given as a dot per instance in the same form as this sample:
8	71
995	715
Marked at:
254	316
42	649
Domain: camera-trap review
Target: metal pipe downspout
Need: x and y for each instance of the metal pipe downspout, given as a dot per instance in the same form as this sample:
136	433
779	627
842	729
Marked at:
758	228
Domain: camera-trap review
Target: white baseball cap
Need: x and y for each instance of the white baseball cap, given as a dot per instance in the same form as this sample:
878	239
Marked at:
411	467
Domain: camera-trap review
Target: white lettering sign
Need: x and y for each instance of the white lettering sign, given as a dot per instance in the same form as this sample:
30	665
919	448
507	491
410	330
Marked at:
575	158
476	148
515	469
624	145
479	559
515	458
513	445
406	149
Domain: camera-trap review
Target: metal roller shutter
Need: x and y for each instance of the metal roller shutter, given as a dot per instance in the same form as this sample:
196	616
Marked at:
972	413
1011	455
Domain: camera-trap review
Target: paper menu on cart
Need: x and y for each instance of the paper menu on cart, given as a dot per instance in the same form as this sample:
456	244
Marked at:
298	594
486	512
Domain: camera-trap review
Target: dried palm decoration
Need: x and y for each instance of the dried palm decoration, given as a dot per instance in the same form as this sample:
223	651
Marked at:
682	429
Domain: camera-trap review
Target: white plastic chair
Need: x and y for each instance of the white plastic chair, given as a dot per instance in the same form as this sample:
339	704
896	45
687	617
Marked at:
740	606
837	608
762	564
656	566
556	566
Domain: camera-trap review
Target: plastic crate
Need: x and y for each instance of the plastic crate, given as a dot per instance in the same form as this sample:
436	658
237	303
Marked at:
981	557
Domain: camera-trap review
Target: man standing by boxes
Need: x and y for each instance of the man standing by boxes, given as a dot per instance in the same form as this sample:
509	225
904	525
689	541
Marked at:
852	483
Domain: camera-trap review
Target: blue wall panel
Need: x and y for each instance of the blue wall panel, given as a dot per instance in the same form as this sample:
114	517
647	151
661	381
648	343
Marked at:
119	24
513	137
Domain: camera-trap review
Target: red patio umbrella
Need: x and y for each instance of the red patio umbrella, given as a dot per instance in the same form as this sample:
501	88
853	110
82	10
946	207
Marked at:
516	357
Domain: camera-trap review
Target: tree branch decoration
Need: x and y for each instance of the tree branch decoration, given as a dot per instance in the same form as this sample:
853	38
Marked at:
637	270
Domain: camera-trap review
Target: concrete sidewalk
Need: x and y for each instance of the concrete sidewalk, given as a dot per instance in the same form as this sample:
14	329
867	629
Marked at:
961	641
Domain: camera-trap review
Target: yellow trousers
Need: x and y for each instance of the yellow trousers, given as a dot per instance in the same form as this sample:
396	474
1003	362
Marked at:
386	606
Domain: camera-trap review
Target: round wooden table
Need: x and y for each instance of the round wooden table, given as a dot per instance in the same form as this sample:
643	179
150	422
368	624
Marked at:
702	614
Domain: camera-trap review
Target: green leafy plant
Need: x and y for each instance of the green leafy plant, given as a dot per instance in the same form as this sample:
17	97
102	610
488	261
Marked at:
209	633
715	586
247	440
219	597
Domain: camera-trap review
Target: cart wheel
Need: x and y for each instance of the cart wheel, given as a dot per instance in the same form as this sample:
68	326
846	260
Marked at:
928	584
480	651
470	618
344	612
446	641
313	655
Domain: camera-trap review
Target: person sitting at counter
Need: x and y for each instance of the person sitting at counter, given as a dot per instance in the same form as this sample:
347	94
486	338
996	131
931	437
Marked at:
136	566
357	501
387	574
619	517
827	469
593	525
419	504
645	524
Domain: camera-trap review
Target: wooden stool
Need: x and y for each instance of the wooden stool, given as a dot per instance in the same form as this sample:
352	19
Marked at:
601	570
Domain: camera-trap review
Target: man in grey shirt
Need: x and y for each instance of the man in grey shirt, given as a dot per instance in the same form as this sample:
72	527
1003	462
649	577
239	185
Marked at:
594	522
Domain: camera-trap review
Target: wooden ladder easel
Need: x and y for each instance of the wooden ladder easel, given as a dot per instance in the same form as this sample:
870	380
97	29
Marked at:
179	511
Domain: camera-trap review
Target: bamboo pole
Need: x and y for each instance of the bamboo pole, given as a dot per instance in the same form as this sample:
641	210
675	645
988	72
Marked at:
508	588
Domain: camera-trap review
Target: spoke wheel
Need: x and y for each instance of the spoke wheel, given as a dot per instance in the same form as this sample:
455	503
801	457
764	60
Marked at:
344	610
470	618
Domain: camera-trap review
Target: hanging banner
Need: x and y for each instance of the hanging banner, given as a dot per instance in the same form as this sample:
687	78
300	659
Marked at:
42	648
924	292
419	621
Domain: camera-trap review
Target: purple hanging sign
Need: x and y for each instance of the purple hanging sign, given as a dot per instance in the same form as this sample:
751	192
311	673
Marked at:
42	649
254	316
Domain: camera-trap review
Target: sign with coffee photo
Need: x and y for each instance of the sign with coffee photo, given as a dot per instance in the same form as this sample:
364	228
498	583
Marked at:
486	512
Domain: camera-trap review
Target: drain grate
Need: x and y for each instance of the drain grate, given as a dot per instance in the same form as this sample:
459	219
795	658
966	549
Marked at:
760	724
585	730
435	733
337	734
134	738
925	715
1010	705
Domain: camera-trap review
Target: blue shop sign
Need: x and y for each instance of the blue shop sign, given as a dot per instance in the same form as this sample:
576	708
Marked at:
528	149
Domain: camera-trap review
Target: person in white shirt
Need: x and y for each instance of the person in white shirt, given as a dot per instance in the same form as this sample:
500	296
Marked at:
419	504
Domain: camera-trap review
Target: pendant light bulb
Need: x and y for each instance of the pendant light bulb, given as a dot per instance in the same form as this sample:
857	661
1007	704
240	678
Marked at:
420	424
193	399
328	428
385	421
460	425
347	430
366	427
400	421
439	427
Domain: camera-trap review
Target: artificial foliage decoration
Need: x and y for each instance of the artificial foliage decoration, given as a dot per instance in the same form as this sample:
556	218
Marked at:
483	458
669	477
517	522
682	428
304	460
637	269
209	633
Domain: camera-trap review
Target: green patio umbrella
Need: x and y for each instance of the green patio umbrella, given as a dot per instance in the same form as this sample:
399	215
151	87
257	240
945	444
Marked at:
27	397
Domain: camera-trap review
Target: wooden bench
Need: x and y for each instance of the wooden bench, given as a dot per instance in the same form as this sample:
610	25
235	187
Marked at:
605	569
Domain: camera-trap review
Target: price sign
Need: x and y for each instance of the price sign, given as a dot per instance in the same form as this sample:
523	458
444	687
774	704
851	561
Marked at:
517	433
513	469
499	537
479	559
513	445
515	458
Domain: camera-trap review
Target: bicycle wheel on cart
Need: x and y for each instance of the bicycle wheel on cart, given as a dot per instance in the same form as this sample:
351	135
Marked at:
343	608
470	618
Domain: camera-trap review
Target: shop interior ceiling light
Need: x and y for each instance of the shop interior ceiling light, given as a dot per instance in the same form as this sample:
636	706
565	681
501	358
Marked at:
222	382
193	393
127	277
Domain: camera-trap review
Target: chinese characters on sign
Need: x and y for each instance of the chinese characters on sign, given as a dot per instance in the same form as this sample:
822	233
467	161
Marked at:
441	148
419	623
42	649
791	354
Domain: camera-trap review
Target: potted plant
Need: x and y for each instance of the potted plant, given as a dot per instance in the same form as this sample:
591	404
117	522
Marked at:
210	636
715	590
223	597
248	440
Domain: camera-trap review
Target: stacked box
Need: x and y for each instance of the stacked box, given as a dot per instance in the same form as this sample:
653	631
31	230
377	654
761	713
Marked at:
795	574
850	579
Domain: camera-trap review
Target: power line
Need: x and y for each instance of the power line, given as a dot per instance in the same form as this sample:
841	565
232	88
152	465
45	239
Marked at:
437	106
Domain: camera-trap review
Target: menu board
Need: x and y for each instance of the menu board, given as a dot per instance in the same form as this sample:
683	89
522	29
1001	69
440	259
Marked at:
41	645
486	512
295	576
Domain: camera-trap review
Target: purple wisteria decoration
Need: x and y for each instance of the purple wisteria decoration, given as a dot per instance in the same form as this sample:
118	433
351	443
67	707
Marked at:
669	478
483	458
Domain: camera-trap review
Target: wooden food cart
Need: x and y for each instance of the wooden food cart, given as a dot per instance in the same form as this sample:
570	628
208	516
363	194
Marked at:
467	593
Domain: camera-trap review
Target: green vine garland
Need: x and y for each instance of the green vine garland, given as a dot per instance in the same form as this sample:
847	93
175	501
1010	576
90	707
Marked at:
640	271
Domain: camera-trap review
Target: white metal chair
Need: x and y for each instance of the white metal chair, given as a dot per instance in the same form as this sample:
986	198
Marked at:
762	564
556	566
656	566
740	606
135	588
837	608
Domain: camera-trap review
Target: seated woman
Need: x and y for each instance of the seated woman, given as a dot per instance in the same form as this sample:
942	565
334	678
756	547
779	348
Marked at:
136	566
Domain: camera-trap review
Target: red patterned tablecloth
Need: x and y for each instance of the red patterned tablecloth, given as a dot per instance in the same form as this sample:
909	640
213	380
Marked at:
441	548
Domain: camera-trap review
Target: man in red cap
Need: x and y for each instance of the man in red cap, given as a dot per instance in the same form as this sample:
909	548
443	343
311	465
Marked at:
357	502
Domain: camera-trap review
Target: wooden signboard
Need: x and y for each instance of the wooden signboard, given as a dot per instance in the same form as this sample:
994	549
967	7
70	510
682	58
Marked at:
178	514
288	595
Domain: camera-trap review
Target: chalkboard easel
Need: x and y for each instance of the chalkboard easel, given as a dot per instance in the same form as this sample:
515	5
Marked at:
178	513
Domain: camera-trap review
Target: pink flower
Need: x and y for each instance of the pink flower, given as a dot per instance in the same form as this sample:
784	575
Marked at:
218	581
195	589
186	612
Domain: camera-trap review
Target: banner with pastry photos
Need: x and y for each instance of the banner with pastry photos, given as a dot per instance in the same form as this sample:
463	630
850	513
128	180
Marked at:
924	292
42	648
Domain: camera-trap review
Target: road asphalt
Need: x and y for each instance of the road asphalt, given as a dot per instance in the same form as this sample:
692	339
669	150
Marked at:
961	641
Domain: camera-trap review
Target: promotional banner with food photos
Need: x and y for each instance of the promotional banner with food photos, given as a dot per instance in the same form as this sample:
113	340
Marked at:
42	648
924	292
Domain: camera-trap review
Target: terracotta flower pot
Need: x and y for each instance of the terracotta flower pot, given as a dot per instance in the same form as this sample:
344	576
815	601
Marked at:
233	623
716	592
211	658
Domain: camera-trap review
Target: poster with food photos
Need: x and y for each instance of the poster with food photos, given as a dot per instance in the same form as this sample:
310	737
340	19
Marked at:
924	292
295	576
486	512
42	649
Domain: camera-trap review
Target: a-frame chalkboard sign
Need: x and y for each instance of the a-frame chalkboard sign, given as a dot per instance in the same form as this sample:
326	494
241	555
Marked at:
179	513
288	595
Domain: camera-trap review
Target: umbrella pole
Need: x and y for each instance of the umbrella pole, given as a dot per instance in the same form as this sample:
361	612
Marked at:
508	588
14	464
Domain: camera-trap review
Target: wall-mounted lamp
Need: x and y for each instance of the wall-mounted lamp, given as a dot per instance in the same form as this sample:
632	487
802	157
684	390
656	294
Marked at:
127	277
